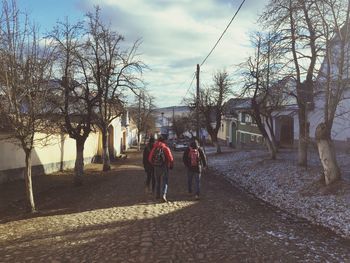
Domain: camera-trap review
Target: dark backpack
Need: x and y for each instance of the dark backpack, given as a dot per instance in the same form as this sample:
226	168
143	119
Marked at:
193	155
158	157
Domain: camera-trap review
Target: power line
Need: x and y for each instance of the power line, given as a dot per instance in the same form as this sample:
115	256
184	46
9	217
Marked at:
217	42
189	87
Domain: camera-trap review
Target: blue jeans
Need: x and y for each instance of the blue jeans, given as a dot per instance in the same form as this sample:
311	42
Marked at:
162	174
197	181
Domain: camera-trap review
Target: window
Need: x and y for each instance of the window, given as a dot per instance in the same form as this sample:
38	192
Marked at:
253	121
242	137
243	117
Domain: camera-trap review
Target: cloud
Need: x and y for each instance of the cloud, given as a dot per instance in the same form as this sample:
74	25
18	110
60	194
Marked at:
177	35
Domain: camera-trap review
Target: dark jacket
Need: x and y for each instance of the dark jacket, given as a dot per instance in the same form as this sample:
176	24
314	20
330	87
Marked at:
146	164
202	158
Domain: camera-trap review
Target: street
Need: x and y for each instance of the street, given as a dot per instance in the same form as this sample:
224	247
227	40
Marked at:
111	219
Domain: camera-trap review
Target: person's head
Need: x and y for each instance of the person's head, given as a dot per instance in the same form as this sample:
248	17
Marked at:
161	138
151	140
194	143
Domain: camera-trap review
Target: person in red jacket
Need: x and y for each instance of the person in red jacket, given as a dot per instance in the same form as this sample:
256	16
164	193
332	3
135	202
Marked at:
162	160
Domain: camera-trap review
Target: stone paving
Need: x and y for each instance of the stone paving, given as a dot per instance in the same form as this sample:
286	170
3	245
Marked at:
111	219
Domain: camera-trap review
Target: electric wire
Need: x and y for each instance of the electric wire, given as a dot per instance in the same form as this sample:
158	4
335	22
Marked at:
217	42
189	87
211	51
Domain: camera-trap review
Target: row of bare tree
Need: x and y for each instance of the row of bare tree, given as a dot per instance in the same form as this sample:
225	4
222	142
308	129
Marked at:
72	81
305	43
302	51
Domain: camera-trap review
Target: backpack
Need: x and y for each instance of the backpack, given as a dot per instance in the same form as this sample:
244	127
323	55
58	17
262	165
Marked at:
158	157
193	155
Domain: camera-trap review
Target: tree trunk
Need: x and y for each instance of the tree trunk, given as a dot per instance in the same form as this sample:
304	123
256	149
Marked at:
216	143
28	181
105	152
272	135
327	155
138	142
271	148
79	163
218	147
303	137
62	151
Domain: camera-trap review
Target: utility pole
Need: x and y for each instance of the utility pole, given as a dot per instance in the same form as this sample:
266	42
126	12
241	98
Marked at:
197	104
139	124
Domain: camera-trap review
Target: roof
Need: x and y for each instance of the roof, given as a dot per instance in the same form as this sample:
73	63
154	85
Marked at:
235	104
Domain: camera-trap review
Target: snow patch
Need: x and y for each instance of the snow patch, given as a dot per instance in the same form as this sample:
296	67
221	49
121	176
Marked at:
289	187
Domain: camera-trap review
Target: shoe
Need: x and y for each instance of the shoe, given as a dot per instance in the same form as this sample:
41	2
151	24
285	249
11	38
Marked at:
196	197
164	198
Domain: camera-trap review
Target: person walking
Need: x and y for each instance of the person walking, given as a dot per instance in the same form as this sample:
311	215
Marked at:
195	160
150	179
162	160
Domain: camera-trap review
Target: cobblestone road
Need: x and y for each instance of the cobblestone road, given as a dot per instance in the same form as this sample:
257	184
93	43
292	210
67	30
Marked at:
111	219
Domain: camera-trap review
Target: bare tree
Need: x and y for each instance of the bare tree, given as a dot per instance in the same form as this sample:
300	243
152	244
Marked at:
261	85
211	104
78	98
334	78
298	23
25	68
142	110
112	70
183	123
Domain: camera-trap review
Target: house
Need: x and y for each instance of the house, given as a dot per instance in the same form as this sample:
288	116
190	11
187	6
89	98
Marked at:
237	126
286	121
164	119
58	152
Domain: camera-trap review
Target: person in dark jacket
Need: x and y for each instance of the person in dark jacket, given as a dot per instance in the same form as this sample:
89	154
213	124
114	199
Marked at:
195	160
150	178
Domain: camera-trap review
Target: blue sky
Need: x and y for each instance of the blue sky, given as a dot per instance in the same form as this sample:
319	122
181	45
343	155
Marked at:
176	35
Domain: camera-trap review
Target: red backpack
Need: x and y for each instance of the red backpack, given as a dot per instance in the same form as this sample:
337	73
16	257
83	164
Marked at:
193	155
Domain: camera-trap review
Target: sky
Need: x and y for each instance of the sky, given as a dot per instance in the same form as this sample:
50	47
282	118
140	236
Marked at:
176	35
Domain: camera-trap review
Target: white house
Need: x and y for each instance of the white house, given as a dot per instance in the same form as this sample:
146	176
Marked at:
58	152
164	119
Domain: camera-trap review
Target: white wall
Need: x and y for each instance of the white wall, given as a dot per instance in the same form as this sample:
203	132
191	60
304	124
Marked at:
56	150
341	126
132	137
118	135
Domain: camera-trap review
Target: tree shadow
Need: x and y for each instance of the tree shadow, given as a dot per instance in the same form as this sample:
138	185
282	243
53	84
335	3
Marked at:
55	194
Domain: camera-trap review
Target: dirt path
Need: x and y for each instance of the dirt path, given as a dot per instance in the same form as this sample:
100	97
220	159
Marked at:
111	219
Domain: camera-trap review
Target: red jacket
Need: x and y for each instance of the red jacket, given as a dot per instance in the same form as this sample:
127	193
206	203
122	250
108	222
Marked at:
168	155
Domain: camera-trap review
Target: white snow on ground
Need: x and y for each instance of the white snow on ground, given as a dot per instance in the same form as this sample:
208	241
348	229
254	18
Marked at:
284	184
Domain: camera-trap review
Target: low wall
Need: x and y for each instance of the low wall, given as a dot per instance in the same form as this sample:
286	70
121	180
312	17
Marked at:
18	173
53	154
